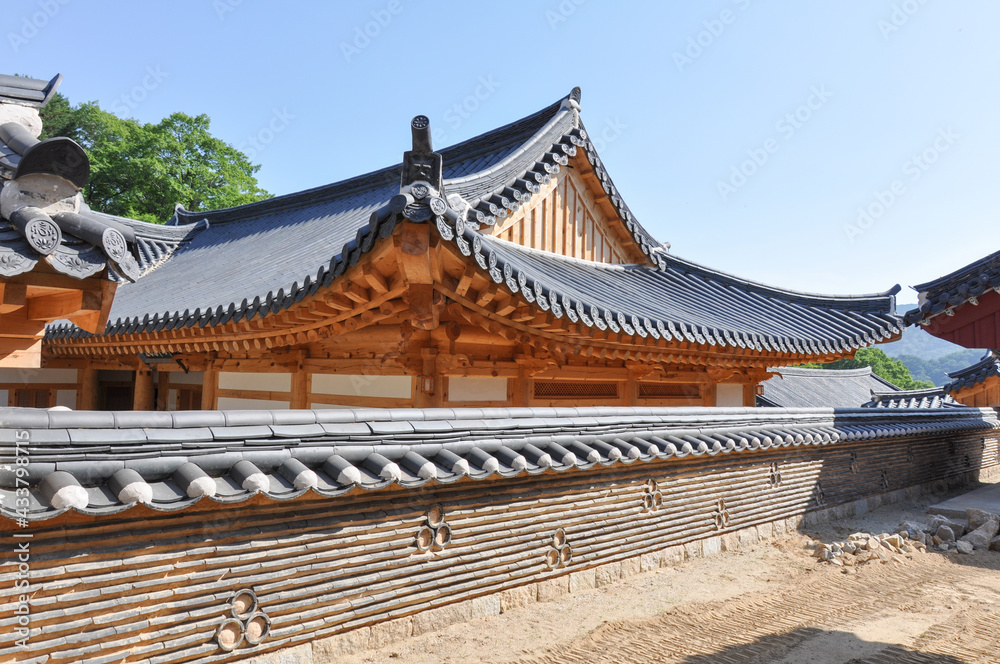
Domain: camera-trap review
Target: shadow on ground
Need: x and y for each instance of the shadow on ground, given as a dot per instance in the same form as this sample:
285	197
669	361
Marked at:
818	646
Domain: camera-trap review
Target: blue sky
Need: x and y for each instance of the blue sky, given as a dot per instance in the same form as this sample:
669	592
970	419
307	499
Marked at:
833	147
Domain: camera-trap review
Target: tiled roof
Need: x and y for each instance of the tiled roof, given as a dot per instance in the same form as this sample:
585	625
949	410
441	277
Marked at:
974	374
795	387
26	91
931	397
258	259
106	462
48	221
953	290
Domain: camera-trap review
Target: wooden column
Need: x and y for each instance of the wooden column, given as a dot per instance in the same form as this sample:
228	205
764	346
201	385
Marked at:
631	388
300	384
709	394
87	389
521	387
421	397
163	390
142	395
209	385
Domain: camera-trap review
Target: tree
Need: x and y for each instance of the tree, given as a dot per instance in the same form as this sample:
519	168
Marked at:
882	365
143	170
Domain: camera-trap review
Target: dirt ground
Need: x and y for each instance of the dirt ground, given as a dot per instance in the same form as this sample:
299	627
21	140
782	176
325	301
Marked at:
774	604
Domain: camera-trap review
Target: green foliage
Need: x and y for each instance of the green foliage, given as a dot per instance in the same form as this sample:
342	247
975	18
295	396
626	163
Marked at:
936	369
143	170
882	365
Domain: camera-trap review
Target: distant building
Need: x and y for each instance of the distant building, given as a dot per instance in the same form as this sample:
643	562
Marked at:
796	387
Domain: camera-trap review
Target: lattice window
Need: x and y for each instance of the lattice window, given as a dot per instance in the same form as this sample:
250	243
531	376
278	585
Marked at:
28	398
575	389
668	391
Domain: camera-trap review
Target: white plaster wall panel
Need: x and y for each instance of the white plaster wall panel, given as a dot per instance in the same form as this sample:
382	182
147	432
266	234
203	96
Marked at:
192	378
729	395
171	399
327	406
66	398
396	387
477	388
4	397
264	382
228	403
29	376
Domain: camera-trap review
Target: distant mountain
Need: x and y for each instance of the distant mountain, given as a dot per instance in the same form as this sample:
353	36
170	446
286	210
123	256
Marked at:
926	356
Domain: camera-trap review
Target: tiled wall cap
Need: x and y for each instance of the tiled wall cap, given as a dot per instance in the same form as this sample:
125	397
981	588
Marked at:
452	462
62	491
249	477
129	487
194	481
298	474
341	471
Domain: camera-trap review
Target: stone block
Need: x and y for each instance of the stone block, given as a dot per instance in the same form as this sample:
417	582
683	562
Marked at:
390	631
730	542
333	648
995	544
649	562
711	546
747	537
779	527
673	555
978	518
580	581
482	607
515	598
432	620
692	550
793	523
764	531
296	655
860	507
551	589
608	574
630	567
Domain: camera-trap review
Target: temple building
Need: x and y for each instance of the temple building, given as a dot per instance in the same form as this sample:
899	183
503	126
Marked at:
963	307
505	270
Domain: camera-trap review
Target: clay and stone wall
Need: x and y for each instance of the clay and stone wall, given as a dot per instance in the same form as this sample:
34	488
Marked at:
309	579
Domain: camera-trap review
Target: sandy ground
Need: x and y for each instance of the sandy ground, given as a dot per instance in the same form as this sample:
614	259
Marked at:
774	604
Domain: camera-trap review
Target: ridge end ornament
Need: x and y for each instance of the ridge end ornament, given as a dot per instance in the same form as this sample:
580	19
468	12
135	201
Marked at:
422	164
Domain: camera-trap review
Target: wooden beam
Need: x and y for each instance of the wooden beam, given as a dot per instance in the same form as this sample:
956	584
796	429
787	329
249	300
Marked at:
414	253
62	305
21	353
15	296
